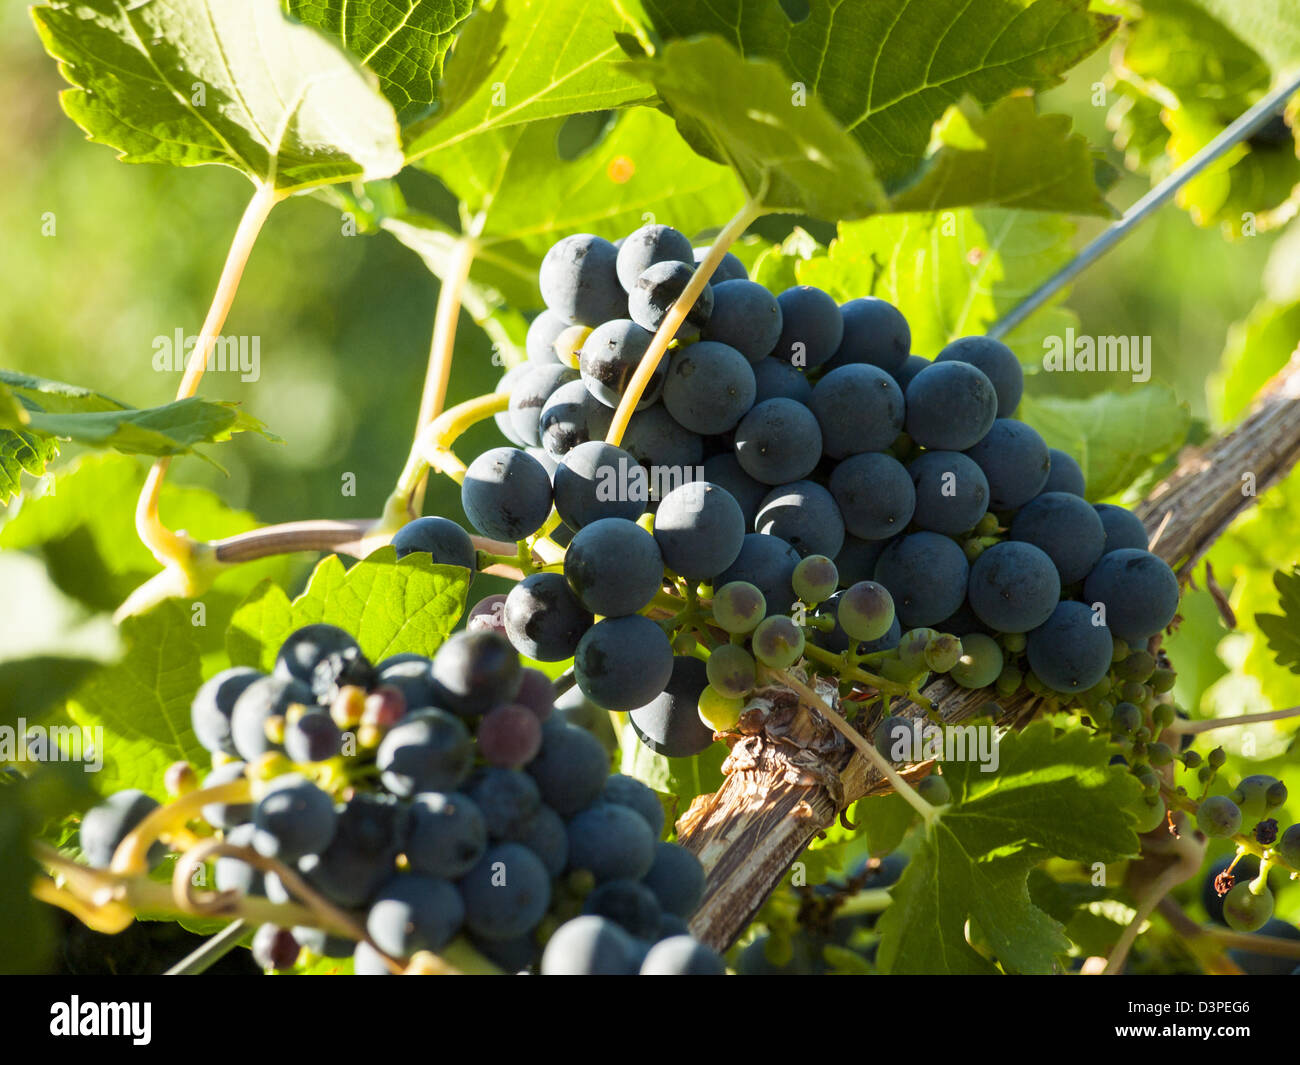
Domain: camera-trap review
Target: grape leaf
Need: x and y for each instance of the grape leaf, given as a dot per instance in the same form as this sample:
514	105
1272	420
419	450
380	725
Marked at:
1267	26
789	152
27	936
1283	630
1114	436
193	82
30	686
527	60
19	452
887	70
1049	796
1256	349
1009	157
390	605
142	703
680	778
402	41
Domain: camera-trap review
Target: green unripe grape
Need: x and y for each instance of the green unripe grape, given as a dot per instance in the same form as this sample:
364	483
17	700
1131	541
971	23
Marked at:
986	526
731	670
972	549
865	611
1146	776
1218	817
942	653
898	671
738	607
778	642
815	579
1142	735
1120	650
1252	796
1244	911
1139	749
934	790
1159	754
1151	815
1138	666
1162	716
980	663
720	712
1217	758
1288	846
1191	759
1205	774
1126	719
1102	713
1276	795
1163	680
684	643
1035	685
911	648
1009	680
1132	690
1102	687
1014	642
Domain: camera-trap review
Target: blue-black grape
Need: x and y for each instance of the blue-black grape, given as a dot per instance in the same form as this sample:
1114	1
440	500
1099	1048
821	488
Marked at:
304	649
1065	474
611	842
544	834
1066	528
1123	528
274	949
447	834
369	833
745	316
597	480
226	814
775	379
658	288
293	818
413	677
709	387
669	723
610	357
859	408
911	366
312	737
476	671
528	395
543	332
778	441
1014	459
506	385
724	470
506	893
926	575
1014	587
677	879
367	961
257	704
874	493
1069	652
729	269
589	946
506	494
1139	590
655	439
427	751
630	792
996	361
952	493
811	327
414	912
580	282
614	567
950	406
507	798
571	768
652	243
234	874
622	663
445	541
682	956
544	619
629	904
768	563
214	703
875	332
572	416
700	529
805	516
105	825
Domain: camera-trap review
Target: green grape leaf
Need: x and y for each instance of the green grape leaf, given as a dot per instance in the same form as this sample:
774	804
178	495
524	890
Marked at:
1267	26
27	935
142	703
1283	630
31	686
887	70
1050	795
390	605
193	82
68	412
789	152
528	60
523	196
91	551
952	274
681	778
22	451
883	820
1010	157
1256	349
402	41
1114	436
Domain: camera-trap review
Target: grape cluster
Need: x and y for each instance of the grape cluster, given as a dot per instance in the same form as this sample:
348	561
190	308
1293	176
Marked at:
433	799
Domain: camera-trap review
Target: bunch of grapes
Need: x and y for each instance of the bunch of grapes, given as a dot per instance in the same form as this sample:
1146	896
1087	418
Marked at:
795	488
430	799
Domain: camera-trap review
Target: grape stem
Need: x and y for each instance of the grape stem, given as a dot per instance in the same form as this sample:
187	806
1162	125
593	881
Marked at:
649	363
929	814
1190	728
1245	844
1169	879
131	856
